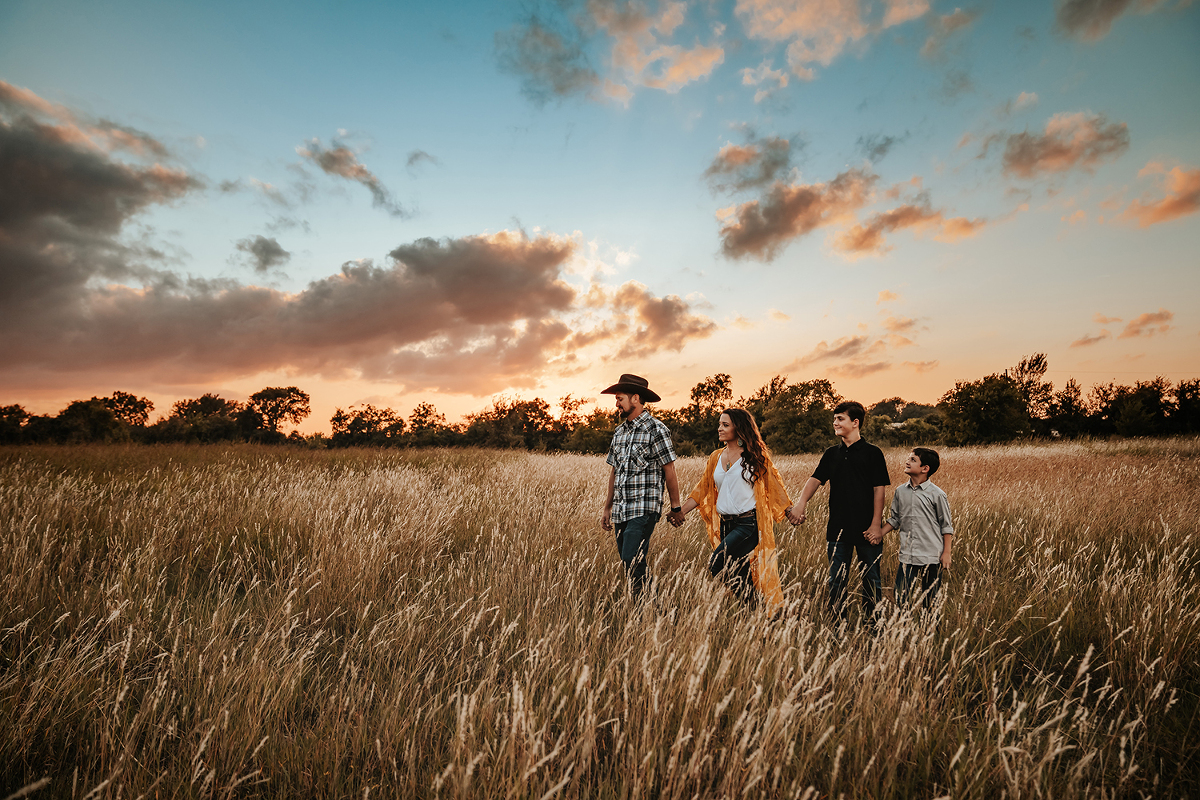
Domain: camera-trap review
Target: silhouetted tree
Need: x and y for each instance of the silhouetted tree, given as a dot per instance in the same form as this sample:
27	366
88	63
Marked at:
12	420
278	404
1067	413
1036	393
366	426
129	408
795	418
1186	418
511	424
88	421
593	433
984	411
427	427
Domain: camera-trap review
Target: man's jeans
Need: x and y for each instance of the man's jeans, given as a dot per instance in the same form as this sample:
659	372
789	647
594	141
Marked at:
869	556
633	543
924	578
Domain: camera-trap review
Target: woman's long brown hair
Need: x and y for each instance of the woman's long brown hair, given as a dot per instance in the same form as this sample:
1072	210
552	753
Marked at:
754	450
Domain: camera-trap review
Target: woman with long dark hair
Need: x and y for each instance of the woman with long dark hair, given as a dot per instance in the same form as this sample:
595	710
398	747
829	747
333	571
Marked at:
740	497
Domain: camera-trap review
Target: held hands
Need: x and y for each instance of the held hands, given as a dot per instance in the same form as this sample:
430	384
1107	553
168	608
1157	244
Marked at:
796	515
676	518
874	534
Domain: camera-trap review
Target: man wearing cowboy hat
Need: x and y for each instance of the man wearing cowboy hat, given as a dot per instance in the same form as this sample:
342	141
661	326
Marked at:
642	460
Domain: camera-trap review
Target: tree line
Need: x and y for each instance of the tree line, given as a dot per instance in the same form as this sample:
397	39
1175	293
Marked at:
794	417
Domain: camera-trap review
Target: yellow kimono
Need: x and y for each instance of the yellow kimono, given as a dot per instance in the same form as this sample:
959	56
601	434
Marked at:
770	501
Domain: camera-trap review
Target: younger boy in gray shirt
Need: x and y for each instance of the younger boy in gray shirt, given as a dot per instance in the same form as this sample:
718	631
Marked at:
921	513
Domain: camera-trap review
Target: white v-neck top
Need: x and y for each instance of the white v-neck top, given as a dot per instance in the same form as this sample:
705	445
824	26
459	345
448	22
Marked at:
735	494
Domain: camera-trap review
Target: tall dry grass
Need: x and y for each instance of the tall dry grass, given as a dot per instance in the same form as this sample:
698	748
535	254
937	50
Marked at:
239	621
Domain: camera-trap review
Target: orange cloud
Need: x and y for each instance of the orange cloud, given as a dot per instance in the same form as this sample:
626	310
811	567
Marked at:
762	228
1086	339
1070	140
868	238
1182	189
756	163
820	30
921	366
638	53
886	296
1148	324
1103	320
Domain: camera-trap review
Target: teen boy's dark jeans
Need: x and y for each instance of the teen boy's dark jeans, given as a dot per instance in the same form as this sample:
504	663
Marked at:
633	542
869	556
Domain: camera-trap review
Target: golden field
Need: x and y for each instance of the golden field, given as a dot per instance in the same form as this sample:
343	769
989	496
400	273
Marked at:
247	621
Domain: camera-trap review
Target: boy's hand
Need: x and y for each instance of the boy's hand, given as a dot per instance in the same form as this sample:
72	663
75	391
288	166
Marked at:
874	535
945	560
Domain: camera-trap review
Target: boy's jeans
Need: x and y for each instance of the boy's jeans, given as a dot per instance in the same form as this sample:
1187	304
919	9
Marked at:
869	556
633	542
925	578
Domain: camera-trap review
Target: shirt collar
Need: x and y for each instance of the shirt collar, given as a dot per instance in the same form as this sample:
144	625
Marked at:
638	421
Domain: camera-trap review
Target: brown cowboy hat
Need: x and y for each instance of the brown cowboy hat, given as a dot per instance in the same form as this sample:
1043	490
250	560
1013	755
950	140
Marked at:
632	384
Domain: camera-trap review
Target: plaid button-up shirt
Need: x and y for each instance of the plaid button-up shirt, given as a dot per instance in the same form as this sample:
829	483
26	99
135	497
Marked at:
639	450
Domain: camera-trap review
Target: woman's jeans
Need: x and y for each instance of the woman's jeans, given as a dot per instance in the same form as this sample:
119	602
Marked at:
731	559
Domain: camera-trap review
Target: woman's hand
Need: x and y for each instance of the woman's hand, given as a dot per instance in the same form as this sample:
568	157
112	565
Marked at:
795	515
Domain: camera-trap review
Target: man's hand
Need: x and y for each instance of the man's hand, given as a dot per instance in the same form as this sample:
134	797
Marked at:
606	519
874	535
677	518
796	515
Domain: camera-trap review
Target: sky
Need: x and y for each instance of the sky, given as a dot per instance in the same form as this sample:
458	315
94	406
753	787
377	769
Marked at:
391	203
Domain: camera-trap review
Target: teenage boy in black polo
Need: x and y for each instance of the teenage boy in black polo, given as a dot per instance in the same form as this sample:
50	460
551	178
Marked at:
857	474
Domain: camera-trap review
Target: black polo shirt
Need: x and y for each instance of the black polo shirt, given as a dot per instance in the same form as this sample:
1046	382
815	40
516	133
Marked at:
852	474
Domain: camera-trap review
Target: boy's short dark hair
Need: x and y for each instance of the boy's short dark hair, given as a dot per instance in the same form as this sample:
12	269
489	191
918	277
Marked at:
852	410
929	458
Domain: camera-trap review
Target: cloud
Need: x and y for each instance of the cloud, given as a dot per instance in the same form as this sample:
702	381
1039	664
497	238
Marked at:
640	55
1182	197
921	366
876	146
98	134
842	349
886	296
899	324
642	322
868	238
757	163
466	314
764	73
418	157
548	59
762	228
1091	20
1071	140
1103	320
778	315
1025	100
265	254
1148	324
548	52
1087	339
343	162
818	31
942	27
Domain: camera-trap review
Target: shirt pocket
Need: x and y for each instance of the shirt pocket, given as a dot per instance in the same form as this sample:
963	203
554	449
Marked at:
637	457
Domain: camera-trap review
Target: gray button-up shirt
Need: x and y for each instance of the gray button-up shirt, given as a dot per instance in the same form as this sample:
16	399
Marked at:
921	515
